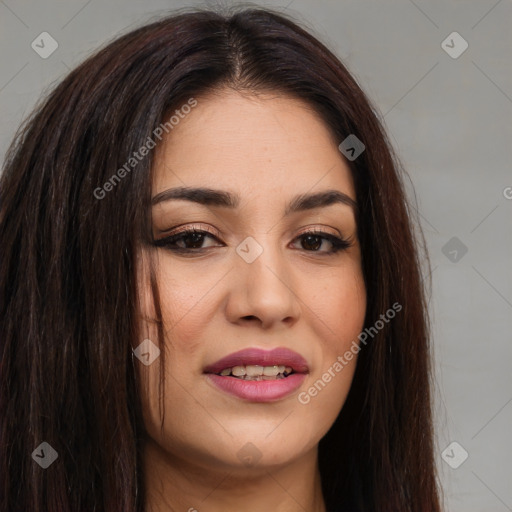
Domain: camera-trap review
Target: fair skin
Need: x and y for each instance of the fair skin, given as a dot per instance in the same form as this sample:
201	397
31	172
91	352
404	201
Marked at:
296	294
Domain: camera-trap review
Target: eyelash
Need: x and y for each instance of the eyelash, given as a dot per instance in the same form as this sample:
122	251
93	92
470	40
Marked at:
338	244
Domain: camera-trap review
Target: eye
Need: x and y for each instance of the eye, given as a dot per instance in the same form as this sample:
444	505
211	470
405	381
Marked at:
191	240
187	240
312	240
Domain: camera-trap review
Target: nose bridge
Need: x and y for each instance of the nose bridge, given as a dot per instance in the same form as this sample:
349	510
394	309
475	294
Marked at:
260	252
263	273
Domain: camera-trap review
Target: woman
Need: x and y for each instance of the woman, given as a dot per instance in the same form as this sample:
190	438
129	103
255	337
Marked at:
210	291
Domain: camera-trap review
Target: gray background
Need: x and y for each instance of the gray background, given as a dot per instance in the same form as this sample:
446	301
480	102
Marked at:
450	122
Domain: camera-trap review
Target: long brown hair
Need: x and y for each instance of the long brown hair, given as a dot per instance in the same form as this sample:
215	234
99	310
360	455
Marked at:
68	302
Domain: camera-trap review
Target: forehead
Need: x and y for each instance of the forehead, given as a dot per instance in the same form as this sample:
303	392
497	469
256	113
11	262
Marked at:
240	140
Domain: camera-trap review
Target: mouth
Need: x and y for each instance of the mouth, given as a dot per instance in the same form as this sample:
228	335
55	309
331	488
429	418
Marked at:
252	363
257	375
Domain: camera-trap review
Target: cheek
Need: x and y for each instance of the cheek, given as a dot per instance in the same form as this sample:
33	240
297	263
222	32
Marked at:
181	308
339	311
186	305
340	308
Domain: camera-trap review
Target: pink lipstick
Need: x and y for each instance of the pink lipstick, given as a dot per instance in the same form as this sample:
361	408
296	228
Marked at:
259	375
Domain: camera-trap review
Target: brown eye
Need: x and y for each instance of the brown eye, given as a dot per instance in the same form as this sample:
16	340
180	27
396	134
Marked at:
187	240
311	241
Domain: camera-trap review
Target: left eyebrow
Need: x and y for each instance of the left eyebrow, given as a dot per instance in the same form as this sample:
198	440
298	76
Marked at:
320	199
223	198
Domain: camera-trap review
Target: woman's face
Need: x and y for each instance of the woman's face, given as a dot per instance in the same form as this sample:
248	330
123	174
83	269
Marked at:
255	283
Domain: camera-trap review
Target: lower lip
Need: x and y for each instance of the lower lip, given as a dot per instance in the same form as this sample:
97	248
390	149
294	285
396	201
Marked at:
258	390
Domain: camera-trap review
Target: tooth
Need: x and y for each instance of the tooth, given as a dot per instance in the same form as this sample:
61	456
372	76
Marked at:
253	370
270	371
238	371
258	372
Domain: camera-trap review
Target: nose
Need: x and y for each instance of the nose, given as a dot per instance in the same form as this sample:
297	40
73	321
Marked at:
264	291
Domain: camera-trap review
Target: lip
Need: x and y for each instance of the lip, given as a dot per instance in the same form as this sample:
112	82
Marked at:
257	356
264	390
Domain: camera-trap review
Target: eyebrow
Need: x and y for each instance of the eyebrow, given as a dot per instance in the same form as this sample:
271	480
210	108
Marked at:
222	198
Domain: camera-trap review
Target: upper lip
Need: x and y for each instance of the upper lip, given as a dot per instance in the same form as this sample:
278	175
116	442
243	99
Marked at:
256	356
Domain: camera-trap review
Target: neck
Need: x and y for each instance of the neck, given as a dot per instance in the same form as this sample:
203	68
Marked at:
175	484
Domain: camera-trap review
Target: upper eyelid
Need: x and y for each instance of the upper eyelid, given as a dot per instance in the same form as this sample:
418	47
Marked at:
198	228
322	233
189	227
186	228
340	242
